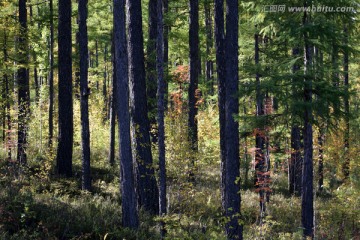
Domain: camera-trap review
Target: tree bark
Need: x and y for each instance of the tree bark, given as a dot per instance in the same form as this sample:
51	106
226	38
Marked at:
51	76
166	51
221	68
151	84
128	194
232	166
346	166
209	45
296	160
65	139
112	107
307	198
23	86
145	176
84	95
194	79
161	113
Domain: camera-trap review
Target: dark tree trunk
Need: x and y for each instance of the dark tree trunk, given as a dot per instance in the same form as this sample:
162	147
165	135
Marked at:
232	166
346	166
194	79
65	139
112	108
166	52
161	113
296	160
221	68
23	86
307	198
209	45
51	77
151	68
128	194
145	179
84	95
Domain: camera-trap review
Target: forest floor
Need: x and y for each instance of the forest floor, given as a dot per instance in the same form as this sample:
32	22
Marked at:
40	207
35	204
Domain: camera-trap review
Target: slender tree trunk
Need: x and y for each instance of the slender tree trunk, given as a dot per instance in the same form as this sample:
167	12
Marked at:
323	112
221	68
65	139
51	77
166	52
128	194
194	79
112	108
346	166
296	160
35	72
232	166
84	95
321	140
209	45
7	100
148	194
307	198
23	86
151	68
260	165
161	113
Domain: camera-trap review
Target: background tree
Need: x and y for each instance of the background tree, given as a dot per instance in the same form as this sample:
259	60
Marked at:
161	112
84	95
23	83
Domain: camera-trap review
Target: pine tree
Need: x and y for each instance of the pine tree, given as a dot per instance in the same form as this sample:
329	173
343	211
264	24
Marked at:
84	95
65	139
23	83
128	195
145	175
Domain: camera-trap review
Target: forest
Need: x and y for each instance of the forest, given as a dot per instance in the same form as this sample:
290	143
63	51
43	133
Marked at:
179	119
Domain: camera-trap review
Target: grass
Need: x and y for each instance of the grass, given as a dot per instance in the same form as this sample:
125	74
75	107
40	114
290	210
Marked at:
38	205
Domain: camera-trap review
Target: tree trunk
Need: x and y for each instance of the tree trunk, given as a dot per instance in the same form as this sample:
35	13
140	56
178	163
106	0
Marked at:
260	165
209	45
65	139
23	86
296	160
161	113
307	207
346	166
6	95
112	108
151	68
84	95
128	195
232	166
194	79
51	76
145	176
221	68
166	52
